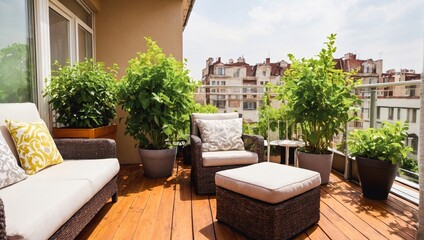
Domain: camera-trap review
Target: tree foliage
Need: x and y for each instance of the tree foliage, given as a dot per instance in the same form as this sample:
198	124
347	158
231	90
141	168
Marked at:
15	74
207	108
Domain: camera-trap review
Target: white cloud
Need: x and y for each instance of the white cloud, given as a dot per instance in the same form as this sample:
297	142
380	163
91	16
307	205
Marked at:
392	29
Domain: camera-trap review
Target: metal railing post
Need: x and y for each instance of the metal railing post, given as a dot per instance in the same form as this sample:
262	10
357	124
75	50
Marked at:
373	108
348	164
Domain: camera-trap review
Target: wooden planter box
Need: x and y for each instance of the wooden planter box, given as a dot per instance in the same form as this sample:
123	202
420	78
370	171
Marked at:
100	132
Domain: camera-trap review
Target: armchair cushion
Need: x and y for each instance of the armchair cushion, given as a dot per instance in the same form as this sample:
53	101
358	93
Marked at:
226	158
208	116
221	135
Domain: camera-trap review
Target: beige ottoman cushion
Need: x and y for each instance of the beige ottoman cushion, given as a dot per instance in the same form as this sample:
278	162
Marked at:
268	182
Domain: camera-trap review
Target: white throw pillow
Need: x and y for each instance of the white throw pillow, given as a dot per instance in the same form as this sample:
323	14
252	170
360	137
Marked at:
10	172
221	135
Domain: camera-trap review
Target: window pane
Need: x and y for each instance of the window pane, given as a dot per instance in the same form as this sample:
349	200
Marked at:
17	74
82	12
59	38
85	44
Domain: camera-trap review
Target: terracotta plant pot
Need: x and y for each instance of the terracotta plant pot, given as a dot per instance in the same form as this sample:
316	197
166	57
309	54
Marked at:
100	132
157	163
376	177
317	162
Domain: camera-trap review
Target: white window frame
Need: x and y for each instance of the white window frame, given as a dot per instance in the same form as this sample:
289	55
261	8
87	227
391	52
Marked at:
78	22
220	71
74	23
42	46
65	13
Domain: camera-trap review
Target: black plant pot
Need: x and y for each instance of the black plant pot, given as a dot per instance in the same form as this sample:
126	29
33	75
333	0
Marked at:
376	177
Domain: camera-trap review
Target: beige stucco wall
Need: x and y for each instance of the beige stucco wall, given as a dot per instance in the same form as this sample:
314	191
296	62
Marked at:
119	32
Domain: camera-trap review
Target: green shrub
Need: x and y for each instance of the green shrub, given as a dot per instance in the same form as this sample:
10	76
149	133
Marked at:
158	95
318	97
207	108
385	144
83	95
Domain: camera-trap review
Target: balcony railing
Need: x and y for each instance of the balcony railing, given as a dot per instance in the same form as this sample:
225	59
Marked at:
389	101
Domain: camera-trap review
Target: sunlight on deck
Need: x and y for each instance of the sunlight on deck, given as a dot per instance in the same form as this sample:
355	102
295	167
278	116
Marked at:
169	209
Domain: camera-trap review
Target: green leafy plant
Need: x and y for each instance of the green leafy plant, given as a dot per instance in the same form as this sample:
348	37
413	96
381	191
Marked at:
83	95
386	144
318	97
269	115
410	164
158	95
207	108
249	128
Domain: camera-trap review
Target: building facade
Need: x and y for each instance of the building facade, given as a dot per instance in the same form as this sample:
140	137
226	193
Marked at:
401	103
392	103
237	85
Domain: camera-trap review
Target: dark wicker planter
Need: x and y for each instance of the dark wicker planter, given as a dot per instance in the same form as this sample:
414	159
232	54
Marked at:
376	177
157	163
317	162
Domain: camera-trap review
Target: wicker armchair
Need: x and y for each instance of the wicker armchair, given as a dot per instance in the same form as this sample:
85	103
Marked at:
203	177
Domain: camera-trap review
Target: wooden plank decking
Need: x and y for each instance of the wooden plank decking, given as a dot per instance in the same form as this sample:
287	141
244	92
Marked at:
170	209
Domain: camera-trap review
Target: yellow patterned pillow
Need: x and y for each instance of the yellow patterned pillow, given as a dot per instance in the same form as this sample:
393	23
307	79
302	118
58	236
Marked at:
34	144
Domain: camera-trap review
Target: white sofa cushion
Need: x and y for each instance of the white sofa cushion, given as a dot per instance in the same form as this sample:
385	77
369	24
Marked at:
36	210
222	158
97	171
23	112
38	206
268	182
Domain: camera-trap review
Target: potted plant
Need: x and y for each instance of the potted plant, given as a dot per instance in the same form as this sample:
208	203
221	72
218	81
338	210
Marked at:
378	153
158	95
83	98
319	98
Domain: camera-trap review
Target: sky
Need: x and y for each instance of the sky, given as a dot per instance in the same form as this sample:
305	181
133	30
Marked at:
392	30
13	22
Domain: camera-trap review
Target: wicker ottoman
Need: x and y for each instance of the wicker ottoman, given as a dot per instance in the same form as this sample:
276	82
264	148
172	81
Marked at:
268	200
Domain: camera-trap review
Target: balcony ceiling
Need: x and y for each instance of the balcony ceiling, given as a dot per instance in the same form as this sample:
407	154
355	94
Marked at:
187	8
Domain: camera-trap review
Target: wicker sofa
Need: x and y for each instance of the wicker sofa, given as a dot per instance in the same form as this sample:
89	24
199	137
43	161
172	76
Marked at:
202	174
59	201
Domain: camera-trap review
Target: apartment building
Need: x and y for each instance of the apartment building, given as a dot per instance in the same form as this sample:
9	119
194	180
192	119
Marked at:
369	72
401	103
237	85
393	103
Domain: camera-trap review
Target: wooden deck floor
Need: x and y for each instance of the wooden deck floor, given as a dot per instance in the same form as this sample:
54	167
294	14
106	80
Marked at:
169	209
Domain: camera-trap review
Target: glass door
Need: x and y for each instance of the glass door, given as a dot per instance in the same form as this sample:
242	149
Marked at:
17	64
85	42
71	31
60	36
